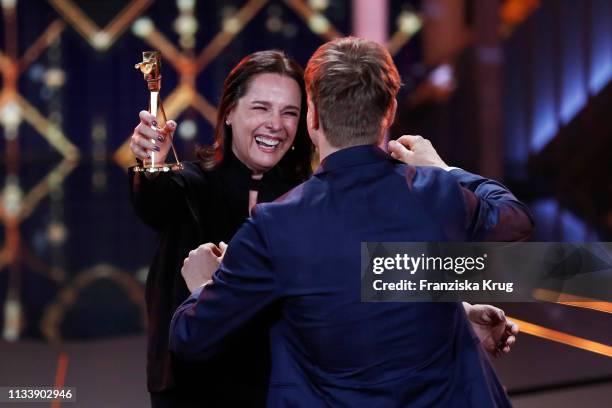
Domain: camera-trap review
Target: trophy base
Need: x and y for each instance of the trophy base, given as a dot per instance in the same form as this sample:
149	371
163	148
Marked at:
159	168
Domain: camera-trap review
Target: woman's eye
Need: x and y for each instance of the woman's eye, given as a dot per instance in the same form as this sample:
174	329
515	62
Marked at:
292	113
259	108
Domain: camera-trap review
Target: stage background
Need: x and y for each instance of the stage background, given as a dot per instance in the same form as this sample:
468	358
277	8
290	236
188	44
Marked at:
518	90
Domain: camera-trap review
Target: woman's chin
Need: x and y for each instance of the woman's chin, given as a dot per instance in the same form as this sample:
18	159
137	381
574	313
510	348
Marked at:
265	161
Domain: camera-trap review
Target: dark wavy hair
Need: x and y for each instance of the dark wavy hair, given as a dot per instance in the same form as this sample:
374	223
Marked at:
296	163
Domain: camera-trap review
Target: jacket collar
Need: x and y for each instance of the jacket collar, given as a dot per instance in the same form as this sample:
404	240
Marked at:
352	156
237	173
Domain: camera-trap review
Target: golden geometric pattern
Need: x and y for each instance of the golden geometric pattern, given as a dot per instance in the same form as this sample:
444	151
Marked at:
11	68
19	109
100	38
55	313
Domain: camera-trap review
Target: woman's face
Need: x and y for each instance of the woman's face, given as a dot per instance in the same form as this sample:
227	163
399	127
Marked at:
265	120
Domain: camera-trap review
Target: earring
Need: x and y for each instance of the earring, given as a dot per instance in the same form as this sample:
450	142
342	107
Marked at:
227	122
293	147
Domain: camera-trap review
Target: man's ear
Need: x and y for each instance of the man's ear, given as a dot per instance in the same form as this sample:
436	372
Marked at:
390	116
312	122
313	116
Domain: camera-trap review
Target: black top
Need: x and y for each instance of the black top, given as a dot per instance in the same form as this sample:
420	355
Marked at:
189	208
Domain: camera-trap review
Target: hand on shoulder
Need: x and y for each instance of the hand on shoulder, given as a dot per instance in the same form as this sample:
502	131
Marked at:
416	151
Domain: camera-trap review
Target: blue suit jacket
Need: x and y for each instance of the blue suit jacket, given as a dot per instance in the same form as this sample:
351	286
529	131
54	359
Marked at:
301	257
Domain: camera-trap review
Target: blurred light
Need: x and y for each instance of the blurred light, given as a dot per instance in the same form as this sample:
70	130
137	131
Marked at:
12	320
57	233
12	197
187	42
101	40
572	300
514	12
545	127
187	130
600	77
186	24
563	338
232	25
544	120
55	78
10	116
54	180
142	27
408	22
443	77
551	217
141	274
600	64
274	24
36	72
9	4
318	5
54	135
318	23
185	5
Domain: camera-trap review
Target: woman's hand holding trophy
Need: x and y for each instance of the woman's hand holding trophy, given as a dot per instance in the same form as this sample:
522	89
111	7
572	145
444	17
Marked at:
148	138
151	143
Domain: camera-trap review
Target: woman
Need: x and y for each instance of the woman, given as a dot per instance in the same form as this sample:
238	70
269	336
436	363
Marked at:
261	151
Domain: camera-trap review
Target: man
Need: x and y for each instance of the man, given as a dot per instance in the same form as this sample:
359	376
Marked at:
300	257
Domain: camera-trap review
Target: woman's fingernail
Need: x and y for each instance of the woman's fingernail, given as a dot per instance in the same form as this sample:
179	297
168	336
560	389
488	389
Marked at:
156	148
154	123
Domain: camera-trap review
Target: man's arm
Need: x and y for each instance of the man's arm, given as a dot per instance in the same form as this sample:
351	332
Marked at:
497	215
243	285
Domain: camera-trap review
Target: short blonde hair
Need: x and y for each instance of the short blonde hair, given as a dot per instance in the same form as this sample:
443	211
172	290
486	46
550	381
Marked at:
353	83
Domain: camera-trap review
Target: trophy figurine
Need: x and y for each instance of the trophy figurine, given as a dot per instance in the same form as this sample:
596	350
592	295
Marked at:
151	69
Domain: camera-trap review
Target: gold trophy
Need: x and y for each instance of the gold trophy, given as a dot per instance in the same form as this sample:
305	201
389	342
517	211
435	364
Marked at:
151	69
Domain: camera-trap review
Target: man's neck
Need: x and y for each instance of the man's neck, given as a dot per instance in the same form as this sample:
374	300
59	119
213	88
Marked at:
325	149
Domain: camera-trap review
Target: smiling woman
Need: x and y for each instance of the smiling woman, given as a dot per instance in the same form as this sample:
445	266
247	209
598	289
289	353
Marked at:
265	120
261	151
267	87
